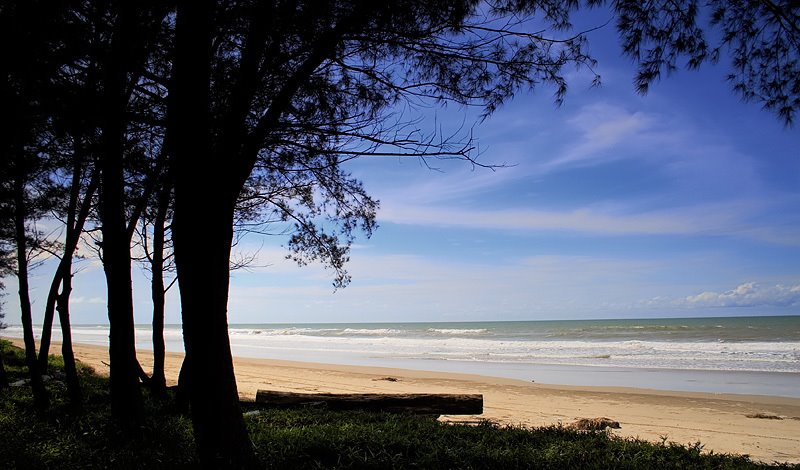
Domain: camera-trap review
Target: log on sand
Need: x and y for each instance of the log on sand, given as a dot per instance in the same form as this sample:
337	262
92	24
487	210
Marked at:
415	403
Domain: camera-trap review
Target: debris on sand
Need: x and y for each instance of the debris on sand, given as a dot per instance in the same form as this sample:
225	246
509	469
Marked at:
594	424
764	416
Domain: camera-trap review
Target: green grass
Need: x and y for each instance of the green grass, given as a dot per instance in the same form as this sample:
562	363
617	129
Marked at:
306	438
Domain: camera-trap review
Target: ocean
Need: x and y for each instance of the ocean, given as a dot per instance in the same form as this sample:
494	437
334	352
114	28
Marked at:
749	355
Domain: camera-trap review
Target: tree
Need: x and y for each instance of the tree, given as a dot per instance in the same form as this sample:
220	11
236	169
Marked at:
134	30
156	246
111	46
24	176
74	114
291	91
27	190
309	87
82	187
77	211
6	268
75	171
3	376
762	38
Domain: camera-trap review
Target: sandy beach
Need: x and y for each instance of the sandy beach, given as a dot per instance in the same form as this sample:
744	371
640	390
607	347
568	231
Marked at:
719	421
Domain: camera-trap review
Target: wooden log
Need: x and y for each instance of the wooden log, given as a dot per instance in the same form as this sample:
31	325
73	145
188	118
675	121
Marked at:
415	403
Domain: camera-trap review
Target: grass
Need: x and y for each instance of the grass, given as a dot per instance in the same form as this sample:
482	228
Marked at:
63	437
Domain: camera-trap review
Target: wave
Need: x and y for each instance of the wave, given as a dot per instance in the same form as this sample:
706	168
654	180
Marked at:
372	331
754	356
458	331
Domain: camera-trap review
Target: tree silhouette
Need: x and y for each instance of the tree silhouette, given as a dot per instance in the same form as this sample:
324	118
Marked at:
762	38
3	375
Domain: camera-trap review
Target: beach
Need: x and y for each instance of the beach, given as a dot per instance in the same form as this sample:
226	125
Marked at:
719	421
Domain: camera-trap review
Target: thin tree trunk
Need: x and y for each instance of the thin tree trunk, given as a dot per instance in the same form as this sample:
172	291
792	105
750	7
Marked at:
70	369
158	382
49	314
126	401
204	204
40	398
76	218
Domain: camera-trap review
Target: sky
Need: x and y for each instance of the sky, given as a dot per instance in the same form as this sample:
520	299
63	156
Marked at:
684	202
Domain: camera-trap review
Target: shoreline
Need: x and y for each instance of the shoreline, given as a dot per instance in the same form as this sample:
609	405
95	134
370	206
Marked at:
719	421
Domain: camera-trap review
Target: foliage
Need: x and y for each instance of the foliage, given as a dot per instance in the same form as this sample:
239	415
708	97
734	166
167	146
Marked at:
64	437
762	38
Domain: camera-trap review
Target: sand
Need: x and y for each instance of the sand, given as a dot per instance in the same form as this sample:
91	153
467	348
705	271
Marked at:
719	421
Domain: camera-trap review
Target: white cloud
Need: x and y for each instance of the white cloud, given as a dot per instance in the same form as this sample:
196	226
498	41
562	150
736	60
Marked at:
713	187
87	300
714	219
603	130
749	294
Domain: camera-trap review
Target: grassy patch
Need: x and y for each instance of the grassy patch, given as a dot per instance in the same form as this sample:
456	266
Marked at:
64	437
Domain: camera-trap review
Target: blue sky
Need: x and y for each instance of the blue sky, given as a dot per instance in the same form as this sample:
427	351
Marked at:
684	202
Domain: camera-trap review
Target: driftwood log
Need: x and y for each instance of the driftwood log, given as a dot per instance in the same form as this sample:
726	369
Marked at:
415	403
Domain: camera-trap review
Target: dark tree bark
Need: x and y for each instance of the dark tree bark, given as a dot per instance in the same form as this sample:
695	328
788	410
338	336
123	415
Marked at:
49	314
182	390
218	425
3	376
40	398
158	383
204	203
126	401
70	368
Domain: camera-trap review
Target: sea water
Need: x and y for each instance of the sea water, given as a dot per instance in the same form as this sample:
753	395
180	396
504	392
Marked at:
755	355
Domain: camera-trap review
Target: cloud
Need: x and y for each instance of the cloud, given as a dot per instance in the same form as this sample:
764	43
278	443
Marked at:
87	300
602	131
710	219
749	294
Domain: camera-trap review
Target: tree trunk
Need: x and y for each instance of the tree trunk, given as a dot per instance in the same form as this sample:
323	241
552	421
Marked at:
126	401
40	398
204	204
203	277
70	369
182	391
76	218
158	383
3	376
49	314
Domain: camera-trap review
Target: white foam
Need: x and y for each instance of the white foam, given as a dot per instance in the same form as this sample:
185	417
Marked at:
458	331
389	343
